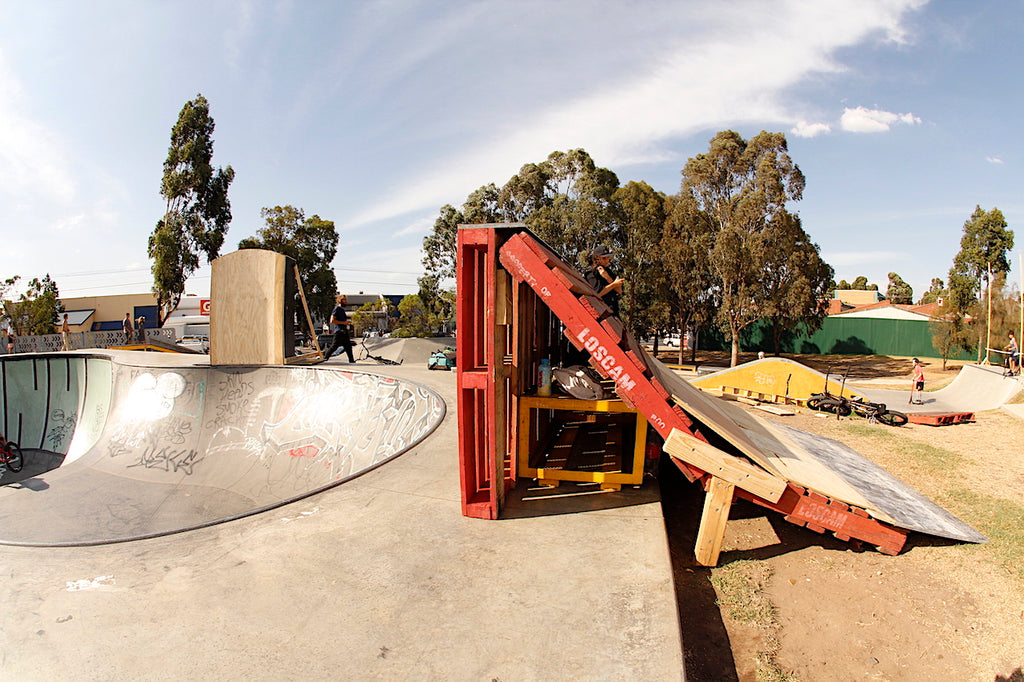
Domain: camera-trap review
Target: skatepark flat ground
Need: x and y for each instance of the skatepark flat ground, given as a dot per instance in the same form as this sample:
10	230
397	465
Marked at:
380	577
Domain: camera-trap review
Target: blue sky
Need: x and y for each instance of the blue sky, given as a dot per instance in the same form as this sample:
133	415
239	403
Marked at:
903	115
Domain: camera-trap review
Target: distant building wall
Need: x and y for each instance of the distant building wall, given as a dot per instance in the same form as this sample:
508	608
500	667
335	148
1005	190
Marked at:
108	311
843	335
858	296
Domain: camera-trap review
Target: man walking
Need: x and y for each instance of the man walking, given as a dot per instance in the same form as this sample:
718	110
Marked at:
339	318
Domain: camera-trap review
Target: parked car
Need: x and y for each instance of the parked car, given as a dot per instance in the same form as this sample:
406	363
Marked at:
198	343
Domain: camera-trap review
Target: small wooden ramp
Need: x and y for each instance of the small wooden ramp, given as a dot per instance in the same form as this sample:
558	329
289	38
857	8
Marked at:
813	481
778	380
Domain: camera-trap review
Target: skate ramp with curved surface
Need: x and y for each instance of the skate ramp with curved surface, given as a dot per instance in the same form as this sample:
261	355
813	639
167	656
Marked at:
975	389
154	450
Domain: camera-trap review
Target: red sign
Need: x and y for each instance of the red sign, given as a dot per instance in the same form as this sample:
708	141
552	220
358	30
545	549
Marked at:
204	306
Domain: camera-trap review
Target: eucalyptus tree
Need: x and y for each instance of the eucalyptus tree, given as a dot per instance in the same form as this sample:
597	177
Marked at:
795	287
646	300
738	192
197	211
312	243
35	310
685	247
984	246
567	200
899	291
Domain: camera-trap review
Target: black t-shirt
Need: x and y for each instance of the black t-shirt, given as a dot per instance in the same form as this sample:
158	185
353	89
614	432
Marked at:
339	314
598	282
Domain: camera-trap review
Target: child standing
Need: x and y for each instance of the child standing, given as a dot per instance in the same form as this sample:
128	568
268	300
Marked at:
917	383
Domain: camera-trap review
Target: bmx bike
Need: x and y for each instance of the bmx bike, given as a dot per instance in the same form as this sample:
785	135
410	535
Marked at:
842	406
10	454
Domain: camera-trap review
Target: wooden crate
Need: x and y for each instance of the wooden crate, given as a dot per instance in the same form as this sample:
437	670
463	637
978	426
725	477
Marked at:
564	439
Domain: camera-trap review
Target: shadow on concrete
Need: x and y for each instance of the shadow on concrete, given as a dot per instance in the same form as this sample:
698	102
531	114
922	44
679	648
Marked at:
528	499
707	653
37	462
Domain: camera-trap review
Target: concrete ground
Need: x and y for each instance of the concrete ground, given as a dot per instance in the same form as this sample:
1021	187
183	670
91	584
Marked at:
379	578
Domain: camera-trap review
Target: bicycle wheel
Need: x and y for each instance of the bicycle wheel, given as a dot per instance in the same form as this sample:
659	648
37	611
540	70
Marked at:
15	461
893	418
814	403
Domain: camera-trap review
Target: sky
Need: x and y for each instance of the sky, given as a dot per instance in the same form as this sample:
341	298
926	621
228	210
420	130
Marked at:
903	115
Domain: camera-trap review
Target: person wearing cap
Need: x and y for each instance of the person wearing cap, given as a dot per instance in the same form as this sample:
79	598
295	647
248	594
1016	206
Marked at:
917	383
603	280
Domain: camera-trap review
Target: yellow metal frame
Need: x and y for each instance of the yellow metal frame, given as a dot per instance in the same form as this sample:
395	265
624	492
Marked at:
608	480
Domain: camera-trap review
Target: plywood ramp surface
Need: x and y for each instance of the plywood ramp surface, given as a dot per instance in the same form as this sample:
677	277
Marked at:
814	462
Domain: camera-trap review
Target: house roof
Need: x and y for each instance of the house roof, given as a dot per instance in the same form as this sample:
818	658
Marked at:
892	311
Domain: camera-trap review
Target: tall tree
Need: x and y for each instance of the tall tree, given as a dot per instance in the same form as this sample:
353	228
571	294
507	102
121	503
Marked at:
936	291
35	311
983	249
740	189
197	210
646	299
899	291
312	243
685	245
794	290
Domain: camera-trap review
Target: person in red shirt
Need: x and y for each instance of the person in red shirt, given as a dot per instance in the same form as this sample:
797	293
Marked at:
917	383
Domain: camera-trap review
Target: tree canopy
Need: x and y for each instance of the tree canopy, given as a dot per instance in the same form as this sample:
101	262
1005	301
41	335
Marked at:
35	310
984	245
197	211
725	249
736	194
899	291
312	243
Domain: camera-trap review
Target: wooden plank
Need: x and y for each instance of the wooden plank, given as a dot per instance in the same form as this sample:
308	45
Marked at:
717	504
309	318
724	466
782	412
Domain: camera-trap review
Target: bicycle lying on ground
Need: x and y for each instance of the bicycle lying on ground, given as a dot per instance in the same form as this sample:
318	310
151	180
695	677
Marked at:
844	407
10	455
377	358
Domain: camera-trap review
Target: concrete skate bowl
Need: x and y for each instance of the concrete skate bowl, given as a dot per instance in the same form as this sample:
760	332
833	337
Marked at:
149	451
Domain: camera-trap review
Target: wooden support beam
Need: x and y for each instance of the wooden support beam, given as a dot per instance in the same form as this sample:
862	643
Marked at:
722	465
717	504
309	318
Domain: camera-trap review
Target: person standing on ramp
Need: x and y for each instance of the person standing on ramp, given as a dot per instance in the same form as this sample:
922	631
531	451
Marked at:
917	384
339	318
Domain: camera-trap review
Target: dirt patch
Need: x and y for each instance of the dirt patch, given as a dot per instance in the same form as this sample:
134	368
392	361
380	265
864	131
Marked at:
939	610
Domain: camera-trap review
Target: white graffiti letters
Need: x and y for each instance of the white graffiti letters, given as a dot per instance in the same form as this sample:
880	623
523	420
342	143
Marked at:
608	362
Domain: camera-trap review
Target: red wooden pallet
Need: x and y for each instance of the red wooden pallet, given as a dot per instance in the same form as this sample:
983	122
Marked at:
940	418
617	356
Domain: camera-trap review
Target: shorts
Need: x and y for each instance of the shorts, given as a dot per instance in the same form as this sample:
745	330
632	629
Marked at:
919	386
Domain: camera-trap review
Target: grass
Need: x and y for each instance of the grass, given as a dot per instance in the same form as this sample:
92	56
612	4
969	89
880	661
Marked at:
917	455
999	520
741	587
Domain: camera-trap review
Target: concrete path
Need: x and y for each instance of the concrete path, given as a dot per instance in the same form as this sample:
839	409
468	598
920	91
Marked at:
975	389
378	578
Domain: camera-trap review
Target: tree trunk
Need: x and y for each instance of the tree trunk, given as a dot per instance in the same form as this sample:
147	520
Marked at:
734	360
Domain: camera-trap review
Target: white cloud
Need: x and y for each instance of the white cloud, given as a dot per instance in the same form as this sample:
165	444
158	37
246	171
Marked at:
805	129
994	159
31	161
864	120
705	80
417	227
